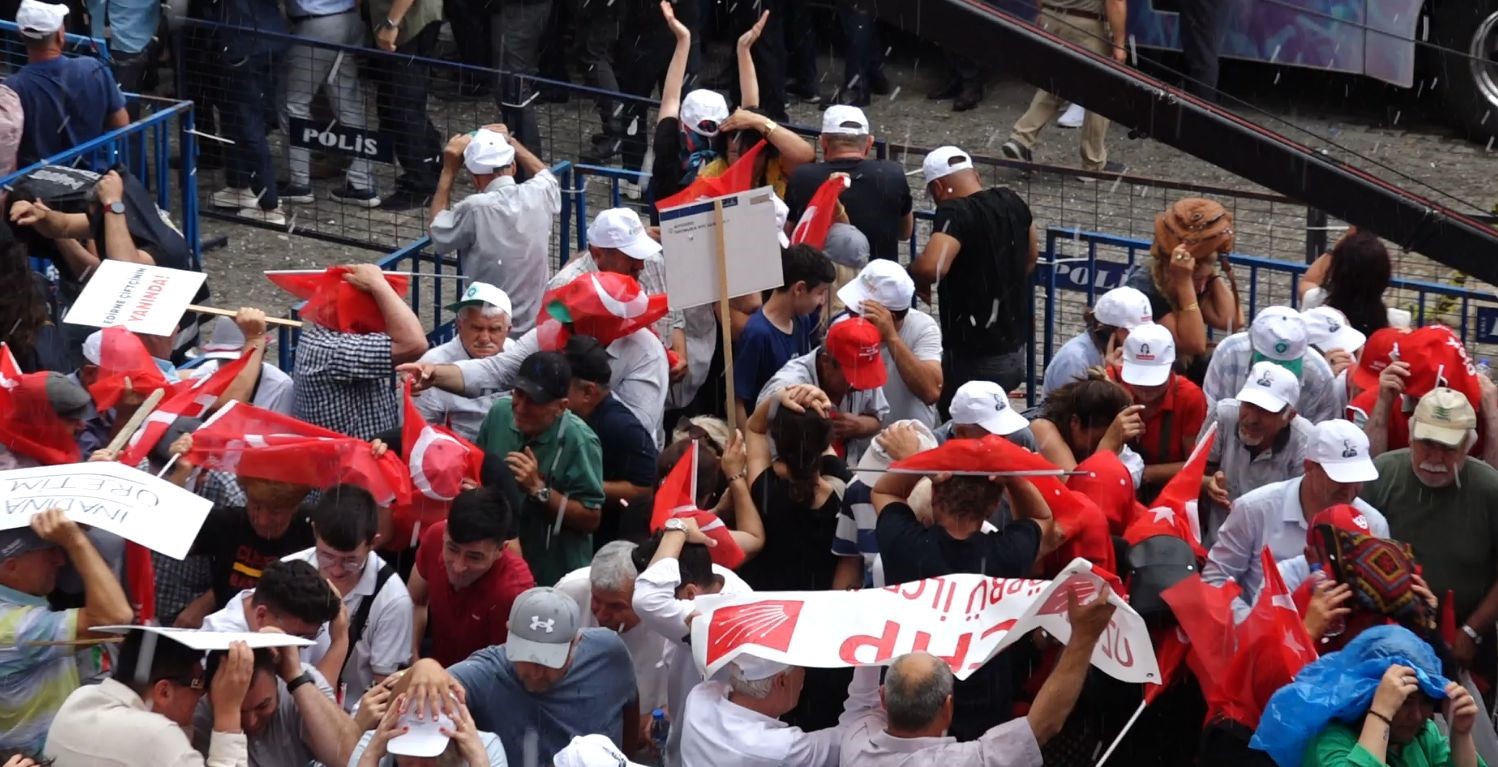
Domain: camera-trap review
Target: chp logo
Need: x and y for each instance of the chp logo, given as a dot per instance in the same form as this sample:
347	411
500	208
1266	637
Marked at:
769	624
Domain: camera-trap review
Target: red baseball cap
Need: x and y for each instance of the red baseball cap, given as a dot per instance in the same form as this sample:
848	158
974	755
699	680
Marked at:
854	343
1375	357
1438	358
1343	516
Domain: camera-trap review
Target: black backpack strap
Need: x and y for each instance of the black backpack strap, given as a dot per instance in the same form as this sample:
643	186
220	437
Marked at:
361	617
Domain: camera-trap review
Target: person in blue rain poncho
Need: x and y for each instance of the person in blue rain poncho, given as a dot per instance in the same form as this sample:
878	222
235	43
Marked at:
1369	705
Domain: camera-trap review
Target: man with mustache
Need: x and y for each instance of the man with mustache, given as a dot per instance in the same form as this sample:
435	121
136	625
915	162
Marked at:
1443	503
483	330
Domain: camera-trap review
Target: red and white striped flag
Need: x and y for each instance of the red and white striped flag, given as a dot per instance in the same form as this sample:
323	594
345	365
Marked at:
677	497
190	399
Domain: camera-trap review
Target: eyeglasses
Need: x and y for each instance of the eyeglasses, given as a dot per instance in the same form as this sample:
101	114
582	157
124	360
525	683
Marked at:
353	564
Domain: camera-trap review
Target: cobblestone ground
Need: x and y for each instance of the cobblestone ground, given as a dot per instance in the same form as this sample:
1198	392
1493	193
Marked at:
1402	135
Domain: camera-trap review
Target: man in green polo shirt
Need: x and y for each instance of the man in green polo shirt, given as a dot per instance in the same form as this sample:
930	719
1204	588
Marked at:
556	463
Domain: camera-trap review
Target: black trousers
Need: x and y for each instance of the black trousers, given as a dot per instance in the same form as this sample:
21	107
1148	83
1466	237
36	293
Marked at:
769	53
401	102
1203	25
470	24
864	57
645	48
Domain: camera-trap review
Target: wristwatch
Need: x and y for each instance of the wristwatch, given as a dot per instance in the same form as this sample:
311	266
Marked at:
116	207
676	524
387	24
1472	634
301	679
543	495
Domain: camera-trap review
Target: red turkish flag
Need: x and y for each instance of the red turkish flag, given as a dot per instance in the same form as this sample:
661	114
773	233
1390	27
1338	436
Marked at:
28	424
820	212
335	304
988	453
121	356
1109	485
190	399
604	305
1174	510
1205	615
253	442
769	624
1272	647
438	460
738	178
677	497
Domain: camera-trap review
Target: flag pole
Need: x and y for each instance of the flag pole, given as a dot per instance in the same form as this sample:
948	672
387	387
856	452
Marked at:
1121	733
957	473
136	419
214	310
725	317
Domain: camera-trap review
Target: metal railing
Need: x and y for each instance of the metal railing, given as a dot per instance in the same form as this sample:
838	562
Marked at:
13	50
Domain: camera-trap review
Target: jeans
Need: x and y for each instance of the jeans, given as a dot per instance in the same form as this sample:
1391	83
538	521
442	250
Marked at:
515	34
309	70
1006	369
401	102
1203	25
595	36
248	163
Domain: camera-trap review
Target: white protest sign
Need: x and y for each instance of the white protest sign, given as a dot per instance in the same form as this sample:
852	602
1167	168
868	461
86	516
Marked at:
145	299
964	619
110	496
209	641
689	236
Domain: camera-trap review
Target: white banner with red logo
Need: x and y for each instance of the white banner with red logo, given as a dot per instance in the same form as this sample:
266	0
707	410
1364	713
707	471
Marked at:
964	619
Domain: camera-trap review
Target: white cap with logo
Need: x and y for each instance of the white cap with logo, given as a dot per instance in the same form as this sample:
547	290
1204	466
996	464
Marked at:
943	162
482	294
1342	450
844	120
1278	333
1270	386
1327	329
986	404
703	112
882	281
1148	354
1125	307
487	152
622	229
37	20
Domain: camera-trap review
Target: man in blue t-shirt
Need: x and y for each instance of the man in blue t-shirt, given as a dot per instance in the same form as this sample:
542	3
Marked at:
546	684
784	327
67	100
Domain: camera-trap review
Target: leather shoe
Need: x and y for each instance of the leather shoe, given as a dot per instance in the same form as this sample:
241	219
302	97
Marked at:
952	89
968	98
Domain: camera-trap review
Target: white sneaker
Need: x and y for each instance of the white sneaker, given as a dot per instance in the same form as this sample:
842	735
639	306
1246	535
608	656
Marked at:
1073	116
629	189
231	197
272	216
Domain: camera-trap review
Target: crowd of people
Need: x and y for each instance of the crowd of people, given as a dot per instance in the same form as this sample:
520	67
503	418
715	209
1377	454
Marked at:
482	547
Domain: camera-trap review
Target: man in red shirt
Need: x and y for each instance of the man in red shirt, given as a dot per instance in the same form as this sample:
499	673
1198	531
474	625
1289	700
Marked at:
1174	408
466	578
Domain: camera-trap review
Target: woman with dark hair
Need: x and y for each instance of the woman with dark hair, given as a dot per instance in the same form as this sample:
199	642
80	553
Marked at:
1086	417
1352	279
26	326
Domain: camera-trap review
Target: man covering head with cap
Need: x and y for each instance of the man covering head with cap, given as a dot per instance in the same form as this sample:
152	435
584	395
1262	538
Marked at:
556	462
67	100
1174	407
550	681
1278	335
1444	503
483	330
39	679
1108	323
883	294
1278	515
849	368
502	232
982	250
877	199
981	408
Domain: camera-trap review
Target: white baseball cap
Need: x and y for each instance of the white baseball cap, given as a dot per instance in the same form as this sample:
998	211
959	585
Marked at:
1278	334
591	751
1270	386
1342	450
482	294
882	281
621	228
1126	308
986	404
944	161
93	347
424	739
37	20
1148	354
703	111
1327	329
487	152
782	215
844	120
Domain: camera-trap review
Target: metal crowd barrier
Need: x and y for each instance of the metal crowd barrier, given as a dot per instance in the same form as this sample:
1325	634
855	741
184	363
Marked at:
13	51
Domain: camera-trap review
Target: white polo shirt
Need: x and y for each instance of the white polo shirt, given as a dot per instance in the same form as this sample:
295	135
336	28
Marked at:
646	648
386	643
464	414
1269	516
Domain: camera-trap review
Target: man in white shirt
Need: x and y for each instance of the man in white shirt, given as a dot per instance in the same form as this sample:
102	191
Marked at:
1278	515
1260	440
882	294
271	388
909	728
1108	323
1278	334
502	234
293	597
604	592
680	569
482	330
140	716
375	600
